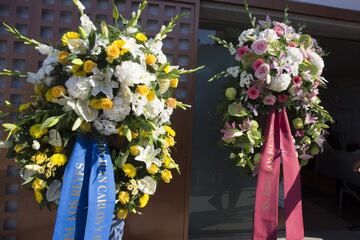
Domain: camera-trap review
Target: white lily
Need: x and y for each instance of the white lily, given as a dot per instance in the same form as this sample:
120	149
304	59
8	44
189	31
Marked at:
148	156
101	82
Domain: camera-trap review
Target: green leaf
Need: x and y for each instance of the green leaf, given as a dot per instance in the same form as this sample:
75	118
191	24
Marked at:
30	179
83	33
92	39
5	144
115	13
121	159
104	29
77	123
50	122
128	134
9	126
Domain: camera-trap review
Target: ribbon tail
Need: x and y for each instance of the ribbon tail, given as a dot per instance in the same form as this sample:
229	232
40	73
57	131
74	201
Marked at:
292	183
266	202
72	210
101	193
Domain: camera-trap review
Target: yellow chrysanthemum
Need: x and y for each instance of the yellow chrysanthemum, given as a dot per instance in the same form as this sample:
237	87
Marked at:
166	175
153	169
150	59
69	35
24	106
142	90
38	196
134	150
39	158
124	197
89	66
170	131
58	159
38	184
129	170
141	37
62	56
122	213
174	82
36	131
151	95
143	201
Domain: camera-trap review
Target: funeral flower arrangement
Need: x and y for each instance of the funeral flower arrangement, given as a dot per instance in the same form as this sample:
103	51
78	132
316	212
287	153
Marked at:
112	82
276	66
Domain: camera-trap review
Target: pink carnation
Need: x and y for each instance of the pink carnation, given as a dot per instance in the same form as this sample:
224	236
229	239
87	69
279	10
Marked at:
262	71
269	100
297	80
240	52
259	46
253	93
282	98
257	63
279	30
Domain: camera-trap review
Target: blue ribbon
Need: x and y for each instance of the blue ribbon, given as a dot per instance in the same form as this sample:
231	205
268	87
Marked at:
87	199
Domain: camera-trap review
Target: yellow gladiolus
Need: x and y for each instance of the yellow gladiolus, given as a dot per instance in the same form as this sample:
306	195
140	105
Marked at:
171	102
19	147
62	56
36	131
170	131
24	106
143	200
69	35
38	196
89	66
122	213
166	175
167	69
170	142
58	91
129	170
174	82
141	37
124	197
38	184
150	59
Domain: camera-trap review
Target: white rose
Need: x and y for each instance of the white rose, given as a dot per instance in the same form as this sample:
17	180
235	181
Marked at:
78	87
130	73
120	110
153	109
280	83
294	55
35	145
147	185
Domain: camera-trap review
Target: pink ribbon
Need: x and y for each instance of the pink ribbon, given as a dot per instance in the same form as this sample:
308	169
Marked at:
279	147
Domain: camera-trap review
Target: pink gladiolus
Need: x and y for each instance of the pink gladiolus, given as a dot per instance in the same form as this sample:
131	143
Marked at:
230	132
262	71
257	63
269	100
253	93
259	46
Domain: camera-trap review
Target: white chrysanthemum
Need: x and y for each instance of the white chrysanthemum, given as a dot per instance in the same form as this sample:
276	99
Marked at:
78	87
77	46
317	61
246	35
119	111
269	35
233	71
87	24
35	145
280	83
153	108
147	185
105	127
294	55
53	191
130	73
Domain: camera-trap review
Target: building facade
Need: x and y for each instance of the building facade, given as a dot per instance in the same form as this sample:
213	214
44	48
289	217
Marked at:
179	210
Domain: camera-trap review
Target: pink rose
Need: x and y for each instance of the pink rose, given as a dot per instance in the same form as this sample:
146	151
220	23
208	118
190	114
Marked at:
269	100
257	63
292	44
259	46
279	31
262	71
253	93
240	52
282	98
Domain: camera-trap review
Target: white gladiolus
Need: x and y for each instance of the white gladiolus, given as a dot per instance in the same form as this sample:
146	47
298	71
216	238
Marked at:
316	60
87	24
